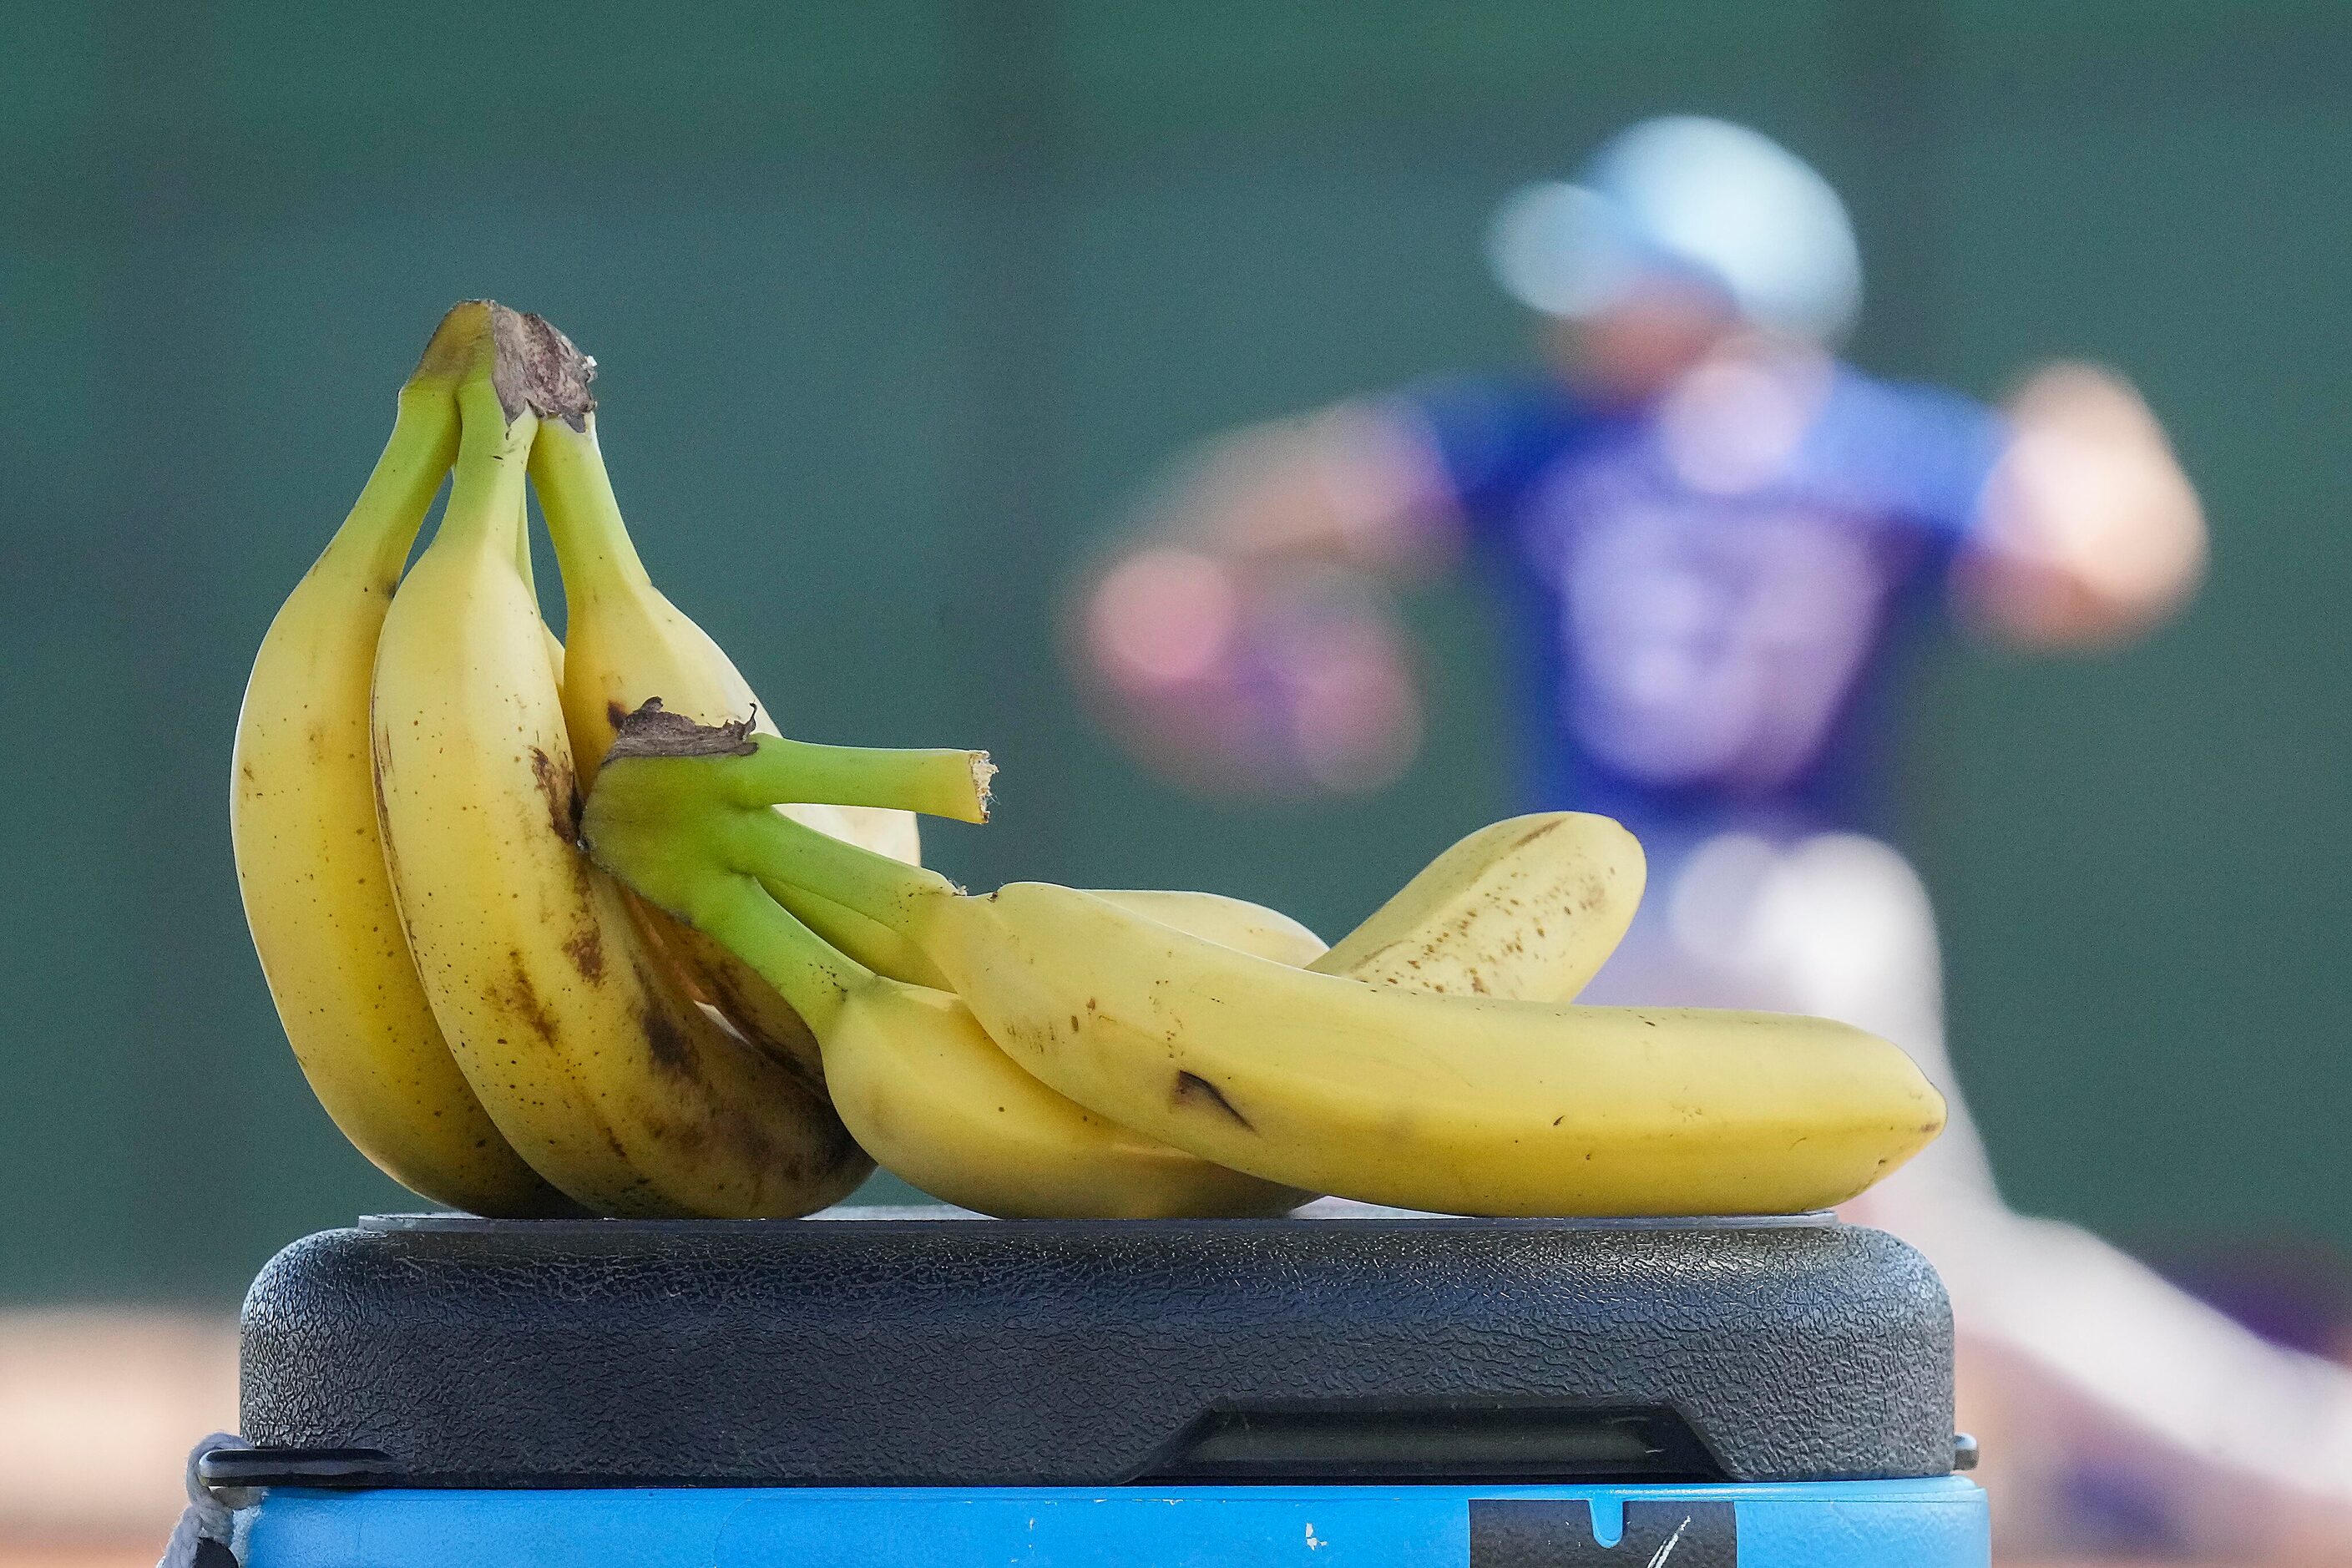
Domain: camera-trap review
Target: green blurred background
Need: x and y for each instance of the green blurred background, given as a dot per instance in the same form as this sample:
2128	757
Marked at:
896	300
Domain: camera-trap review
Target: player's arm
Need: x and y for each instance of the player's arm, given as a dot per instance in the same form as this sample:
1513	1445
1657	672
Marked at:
2090	531
1359	483
1238	639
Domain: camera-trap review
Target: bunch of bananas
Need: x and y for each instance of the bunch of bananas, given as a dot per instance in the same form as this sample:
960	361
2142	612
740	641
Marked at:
554	928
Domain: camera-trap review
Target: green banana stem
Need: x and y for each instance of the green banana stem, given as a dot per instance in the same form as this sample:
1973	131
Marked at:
583	516
776	850
748	769
665	825
813	976
874	945
662	824
485	490
937	782
384	520
376	535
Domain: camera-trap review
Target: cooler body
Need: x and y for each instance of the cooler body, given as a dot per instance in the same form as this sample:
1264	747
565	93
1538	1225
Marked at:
1381	1392
1931	1524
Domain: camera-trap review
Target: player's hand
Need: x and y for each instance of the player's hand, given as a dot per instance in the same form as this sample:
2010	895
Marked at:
2092	533
1249	678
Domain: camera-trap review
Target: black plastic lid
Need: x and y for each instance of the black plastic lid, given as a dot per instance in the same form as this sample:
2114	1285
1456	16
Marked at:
440	1351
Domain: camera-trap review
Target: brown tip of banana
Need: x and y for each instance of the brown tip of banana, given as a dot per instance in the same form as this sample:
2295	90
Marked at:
983	796
531	364
653	730
537	369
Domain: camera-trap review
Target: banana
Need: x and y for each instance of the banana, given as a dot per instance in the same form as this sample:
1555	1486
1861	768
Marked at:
1462	1104
310	859
1528	909
531	585
1459	1104
627	645
621	1092
930	1097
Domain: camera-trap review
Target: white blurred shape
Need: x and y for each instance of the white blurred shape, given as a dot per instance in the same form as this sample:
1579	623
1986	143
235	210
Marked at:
1693	198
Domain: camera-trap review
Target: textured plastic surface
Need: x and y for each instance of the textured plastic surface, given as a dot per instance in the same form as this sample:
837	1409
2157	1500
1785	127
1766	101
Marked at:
1937	1524
475	1353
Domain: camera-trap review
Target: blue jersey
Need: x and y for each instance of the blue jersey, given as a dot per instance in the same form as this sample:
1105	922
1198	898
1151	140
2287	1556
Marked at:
1708	585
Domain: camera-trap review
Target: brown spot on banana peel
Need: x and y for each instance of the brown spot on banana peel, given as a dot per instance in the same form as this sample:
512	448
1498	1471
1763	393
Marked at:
1192	1086
586	951
665	1041
685	1137
559	787
713	985
524	998
1532	833
676	1051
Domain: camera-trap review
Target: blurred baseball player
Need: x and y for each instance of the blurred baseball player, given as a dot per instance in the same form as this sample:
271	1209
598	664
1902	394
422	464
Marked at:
1704	532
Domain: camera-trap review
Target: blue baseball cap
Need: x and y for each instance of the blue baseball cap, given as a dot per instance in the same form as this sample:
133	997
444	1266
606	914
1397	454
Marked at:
1699	200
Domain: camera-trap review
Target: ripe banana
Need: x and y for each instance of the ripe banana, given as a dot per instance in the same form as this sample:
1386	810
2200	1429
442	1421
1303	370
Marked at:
310	859
621	1092
937	1104
930	1097
1528	909
1461	1104
1465	1105
627	644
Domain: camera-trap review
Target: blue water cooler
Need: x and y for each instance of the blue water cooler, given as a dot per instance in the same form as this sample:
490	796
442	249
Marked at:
1345	1392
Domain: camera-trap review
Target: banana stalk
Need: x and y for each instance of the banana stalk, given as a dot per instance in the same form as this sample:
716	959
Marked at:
910	1071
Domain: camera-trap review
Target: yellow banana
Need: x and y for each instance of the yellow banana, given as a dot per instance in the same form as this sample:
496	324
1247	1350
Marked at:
933	1099
930	1097
1526	908
628	644
618	1091
1462	1104
310	859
